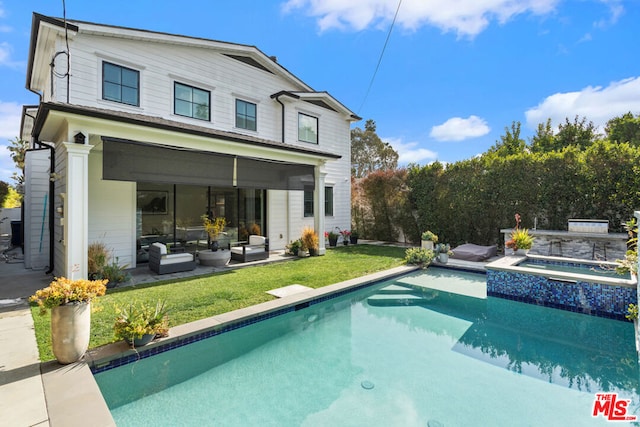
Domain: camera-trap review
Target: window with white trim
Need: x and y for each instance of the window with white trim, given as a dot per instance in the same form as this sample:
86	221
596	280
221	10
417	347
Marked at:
246	115
307	128
120	84
191	102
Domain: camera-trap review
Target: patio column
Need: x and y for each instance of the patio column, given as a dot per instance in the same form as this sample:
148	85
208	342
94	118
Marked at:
76	207
318	208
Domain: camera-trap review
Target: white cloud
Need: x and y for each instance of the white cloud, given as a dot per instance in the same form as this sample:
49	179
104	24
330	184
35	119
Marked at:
466	18
458	129
410	152
616	10
598	104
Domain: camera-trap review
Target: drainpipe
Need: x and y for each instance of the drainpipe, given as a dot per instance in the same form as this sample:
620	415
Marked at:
277	96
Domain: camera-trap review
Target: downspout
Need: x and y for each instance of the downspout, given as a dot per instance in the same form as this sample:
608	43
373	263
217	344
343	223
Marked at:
52	167
277	98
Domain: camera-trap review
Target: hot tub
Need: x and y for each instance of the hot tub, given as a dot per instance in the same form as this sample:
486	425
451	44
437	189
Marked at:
589	287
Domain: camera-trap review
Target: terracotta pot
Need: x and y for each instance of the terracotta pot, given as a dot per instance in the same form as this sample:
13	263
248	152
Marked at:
70	331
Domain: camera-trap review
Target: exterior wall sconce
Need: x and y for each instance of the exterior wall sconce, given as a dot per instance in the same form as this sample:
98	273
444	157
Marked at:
79	138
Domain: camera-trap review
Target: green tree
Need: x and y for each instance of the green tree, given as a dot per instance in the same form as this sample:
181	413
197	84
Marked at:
369	153
625	128
510	143
544	139
18	148
4	191
12	200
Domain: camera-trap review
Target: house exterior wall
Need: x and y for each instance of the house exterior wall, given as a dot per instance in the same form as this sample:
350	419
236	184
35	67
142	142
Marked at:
36	209
112	207
161	61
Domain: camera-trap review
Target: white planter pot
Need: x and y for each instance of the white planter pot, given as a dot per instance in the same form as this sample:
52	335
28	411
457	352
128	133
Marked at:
443	258
427	244
70	331
521	252
218	258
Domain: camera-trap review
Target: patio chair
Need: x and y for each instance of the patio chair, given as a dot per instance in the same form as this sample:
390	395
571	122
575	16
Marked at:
256	249
162	262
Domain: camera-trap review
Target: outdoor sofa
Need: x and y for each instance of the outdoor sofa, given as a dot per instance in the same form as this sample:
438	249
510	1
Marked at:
162	262
256	249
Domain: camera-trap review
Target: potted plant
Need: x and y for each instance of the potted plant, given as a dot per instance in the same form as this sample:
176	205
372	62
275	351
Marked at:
429	239
333	238
444	252
139	323
521	241
97	255
310	240
293	247
214	227
354	237
419	256
345	236
70	304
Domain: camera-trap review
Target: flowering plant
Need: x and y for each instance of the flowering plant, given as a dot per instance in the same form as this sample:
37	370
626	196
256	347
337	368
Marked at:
429	236
67	291
345	233
330	235
140	319
213	227
520	239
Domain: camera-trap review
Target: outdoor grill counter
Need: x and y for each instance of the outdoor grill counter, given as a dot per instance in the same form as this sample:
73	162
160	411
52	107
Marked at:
585	239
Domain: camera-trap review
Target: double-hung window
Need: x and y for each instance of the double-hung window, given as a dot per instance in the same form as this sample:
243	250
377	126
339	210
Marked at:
246	115
328	202
307	128
191	102
120	84
308	203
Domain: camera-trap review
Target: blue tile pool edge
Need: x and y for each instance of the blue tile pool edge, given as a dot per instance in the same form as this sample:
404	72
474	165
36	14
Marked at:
119	358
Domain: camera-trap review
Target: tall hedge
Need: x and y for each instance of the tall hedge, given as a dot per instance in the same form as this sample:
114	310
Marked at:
471	200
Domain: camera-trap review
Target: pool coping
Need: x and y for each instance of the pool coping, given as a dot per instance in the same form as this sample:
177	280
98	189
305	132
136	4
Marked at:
73	396
509	263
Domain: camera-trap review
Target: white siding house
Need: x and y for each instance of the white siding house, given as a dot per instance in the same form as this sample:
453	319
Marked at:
150	131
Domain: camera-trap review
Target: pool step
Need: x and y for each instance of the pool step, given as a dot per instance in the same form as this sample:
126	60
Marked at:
395	289
394	300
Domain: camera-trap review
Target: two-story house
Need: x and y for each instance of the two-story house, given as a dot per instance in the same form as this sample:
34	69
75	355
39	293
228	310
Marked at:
139	133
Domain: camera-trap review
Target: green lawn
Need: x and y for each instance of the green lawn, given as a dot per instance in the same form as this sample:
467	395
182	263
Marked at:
201	297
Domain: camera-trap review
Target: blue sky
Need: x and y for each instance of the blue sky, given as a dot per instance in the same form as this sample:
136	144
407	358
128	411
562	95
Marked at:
454	73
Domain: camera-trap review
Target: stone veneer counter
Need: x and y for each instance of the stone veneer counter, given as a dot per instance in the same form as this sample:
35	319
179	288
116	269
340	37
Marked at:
602	246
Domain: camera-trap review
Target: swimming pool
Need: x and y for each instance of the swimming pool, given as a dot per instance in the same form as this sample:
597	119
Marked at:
402	352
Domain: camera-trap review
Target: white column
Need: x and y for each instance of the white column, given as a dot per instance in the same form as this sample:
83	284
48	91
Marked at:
76	210
318	208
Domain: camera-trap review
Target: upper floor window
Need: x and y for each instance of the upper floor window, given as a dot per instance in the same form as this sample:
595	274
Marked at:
307	128
191	102
246	115
120	84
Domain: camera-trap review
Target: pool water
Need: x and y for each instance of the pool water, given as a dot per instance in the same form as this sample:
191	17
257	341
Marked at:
403	352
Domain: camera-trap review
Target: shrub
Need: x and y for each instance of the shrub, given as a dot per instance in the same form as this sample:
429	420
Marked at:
419	256
310	239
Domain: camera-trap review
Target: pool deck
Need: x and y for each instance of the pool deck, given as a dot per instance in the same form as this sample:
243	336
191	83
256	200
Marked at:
49	394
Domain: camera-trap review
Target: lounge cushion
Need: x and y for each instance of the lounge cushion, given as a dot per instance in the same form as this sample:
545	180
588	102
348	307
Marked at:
176	258
471	252
257	240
